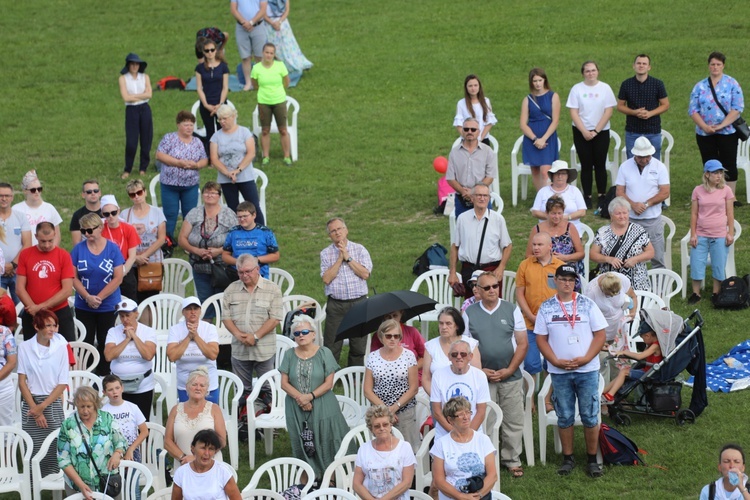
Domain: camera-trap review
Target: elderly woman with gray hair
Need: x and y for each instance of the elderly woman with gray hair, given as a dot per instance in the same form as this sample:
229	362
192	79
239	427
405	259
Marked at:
90	444
623	246
307	378
232	151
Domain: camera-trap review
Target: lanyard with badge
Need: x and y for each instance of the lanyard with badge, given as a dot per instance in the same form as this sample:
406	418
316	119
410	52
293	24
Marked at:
571	319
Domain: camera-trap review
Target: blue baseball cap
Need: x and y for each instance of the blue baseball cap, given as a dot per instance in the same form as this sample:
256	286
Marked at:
713	166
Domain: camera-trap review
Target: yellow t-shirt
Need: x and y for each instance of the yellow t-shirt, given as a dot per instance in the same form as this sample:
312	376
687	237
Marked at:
270	82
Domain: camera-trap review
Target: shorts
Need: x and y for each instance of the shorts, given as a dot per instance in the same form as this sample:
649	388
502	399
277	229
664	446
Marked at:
278	111
250	43
570	387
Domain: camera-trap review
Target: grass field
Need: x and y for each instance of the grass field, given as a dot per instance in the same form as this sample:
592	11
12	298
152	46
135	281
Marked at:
375	110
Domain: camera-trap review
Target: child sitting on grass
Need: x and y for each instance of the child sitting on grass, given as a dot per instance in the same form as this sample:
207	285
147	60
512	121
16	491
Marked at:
652	354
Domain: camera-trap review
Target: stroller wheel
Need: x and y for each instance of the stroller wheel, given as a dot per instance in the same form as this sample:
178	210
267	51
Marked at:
685	417
621	419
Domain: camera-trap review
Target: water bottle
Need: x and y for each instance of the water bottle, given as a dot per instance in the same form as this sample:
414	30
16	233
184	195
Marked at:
734	478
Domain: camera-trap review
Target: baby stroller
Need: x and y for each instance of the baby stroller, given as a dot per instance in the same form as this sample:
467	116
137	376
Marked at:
657	392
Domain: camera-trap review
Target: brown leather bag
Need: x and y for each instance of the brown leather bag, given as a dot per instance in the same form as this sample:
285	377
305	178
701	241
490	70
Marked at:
150	277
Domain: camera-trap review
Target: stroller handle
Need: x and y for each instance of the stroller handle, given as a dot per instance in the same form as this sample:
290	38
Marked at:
696	314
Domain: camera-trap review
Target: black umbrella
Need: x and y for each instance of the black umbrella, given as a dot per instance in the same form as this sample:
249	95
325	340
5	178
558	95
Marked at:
366	316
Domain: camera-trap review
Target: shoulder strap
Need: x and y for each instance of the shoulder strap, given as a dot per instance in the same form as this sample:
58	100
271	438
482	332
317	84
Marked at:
481	240
533	99
711	491
88	448
716	99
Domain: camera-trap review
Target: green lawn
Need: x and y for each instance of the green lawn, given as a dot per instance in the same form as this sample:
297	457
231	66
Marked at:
375	110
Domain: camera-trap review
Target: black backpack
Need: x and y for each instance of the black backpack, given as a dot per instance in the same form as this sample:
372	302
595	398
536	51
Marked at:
434	256
618	449
611	195
733	293
308	309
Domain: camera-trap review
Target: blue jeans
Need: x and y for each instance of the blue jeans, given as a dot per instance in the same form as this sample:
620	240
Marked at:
212	396
571	386
204	290
715	247
9	283
532	363
654	139
460	206
175	199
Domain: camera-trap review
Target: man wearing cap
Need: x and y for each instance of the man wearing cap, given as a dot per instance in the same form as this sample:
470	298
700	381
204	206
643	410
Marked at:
642	99
91	195
644	182
44	280
494	323
534	285
471	286
251	311
127	240
345	267
481	240
470	163
17	237
570	334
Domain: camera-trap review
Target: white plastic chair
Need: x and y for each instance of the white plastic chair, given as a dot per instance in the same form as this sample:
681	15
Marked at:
275	419
165	309
423	411
423	468
161	494
230	391
292	302
521	170
196	112
743	163
730	268
282	278
177	275
352	381
351	411
341	471
80	330
135	477
665	283
360	434
153	454
418	495
292	108
13	376
51	482
86	356
282	473
587	238
437	288
261	495
550	420
17	447
613	156
667	143
152	189
509	286
496	149
225	337
495	415
165	393
94	494
496	495
669	232
330	494
529	387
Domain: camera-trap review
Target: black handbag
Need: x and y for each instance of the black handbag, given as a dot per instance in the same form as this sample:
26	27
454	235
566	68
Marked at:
741	128
222	275
111	485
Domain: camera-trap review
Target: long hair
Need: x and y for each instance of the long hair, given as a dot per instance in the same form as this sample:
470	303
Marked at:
480	97
219	57
708	187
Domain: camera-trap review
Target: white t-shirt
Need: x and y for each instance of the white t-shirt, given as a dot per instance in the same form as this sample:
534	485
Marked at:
45	367
611	307
567	342
641	186
208	485
462	460
591	101
571	196
147	228
34	215
129	417
193	357
721	493
130	363
382	469
462	113
445	385
439	359
14	225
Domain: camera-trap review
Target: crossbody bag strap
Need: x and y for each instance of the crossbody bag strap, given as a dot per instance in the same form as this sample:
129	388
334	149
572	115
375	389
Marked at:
481	240
531	98
88	448
716	98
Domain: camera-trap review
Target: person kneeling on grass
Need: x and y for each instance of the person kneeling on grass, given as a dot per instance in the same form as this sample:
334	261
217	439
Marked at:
651	355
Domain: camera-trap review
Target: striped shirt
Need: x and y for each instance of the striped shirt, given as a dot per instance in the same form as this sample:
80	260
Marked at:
346	285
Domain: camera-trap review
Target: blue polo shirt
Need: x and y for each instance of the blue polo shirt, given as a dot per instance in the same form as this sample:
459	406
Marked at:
258	241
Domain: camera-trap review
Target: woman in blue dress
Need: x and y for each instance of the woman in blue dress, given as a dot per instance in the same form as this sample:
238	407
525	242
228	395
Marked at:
540	114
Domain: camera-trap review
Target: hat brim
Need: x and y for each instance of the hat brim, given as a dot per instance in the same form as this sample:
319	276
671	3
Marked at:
572	174
141	67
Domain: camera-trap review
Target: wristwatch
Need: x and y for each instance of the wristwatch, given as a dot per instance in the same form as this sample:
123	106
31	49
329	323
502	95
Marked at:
255	337
348	260
646	204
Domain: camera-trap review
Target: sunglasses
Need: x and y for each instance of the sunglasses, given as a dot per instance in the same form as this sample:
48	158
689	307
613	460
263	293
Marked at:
454	355
112	213
140	192
470	129
489	287
209	50
91	191
302	332
89	230
36	190
391	336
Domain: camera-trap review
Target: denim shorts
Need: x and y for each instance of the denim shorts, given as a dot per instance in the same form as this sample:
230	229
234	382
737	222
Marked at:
569	387
718	250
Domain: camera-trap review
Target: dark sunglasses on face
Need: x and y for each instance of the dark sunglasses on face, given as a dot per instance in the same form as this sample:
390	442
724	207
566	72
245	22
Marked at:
302	332
209	50
457	354
89	230
488	287
391	336
36	190
112	213
470	129
91	191
136	193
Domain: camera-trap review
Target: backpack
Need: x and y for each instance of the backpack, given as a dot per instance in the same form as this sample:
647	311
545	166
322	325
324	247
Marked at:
733	294
618	449
171	82
307	309
432	258
611	195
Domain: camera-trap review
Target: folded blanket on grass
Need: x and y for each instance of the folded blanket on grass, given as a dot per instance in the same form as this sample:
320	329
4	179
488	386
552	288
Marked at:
730	372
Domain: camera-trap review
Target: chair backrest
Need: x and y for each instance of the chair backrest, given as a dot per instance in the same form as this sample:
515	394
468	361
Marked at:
278	396
16	446
665	283
509	286
260	494
36	465
162	494
152	189
437	288
359	434
351	411
230	391
78	378
283	279
86	356
153	444
497	203
330	494
136	478
423	411
587	238
283	344
196	113
282	473
352	381
496	495
162	364
261	182
649	300
215	300
177	274
80	330
669	232
341	471
423	470
165	310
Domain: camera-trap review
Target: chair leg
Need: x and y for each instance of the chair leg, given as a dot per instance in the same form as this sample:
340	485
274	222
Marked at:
558	443
542	443
251	444
268	438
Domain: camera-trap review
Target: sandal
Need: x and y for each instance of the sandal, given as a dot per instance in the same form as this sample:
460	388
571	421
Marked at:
566	468
516	472
594	470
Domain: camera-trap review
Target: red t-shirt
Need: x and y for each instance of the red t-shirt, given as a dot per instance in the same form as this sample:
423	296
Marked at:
7	311
44	273
124	236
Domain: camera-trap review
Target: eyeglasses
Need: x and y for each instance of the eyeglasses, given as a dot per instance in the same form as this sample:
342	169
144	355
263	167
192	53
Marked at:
567	281
91	191
391	336
454	355
36	190
470	129
381	426
480	195
338	229
209	50
488	287
247	271
140	192
302	332
89	230
211	193
112	213
6	196
464	414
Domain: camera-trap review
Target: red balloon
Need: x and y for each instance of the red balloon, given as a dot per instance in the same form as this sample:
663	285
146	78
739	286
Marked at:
440	164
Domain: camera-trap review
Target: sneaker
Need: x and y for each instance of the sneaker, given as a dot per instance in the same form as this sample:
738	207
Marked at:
288	162
694	299
266	161
566	468
594	470
606	399
597	211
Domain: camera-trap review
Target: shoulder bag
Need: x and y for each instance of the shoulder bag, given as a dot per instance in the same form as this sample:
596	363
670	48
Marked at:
112	483
742	130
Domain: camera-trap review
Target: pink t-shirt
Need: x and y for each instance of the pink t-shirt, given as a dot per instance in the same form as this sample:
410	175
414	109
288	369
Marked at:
712	211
